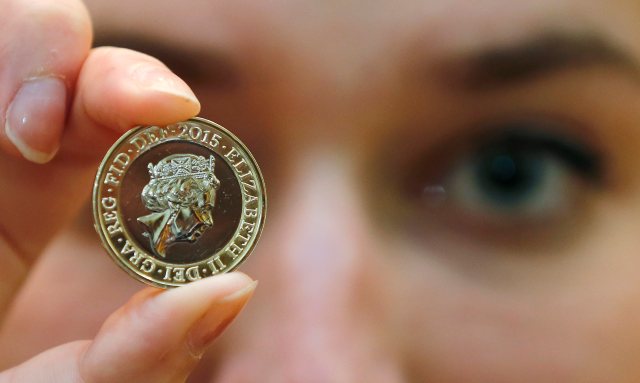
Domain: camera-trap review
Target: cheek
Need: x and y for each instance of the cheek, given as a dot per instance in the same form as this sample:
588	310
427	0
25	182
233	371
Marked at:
186	219
211	198
574	323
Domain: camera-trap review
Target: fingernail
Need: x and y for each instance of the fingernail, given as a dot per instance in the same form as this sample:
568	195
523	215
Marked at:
218	317
35	118
154	78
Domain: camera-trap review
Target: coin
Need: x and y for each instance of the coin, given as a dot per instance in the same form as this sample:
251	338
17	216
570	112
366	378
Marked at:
174	204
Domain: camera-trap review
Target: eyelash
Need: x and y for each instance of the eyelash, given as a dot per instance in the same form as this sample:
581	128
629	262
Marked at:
541	135
579	156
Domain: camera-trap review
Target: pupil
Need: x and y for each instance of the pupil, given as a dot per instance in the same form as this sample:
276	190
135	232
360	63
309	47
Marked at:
508	178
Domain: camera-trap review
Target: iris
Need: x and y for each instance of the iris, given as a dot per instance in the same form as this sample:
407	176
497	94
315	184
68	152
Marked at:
509	178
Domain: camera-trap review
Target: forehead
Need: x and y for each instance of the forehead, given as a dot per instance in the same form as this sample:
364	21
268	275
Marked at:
304	55
354	39
459	21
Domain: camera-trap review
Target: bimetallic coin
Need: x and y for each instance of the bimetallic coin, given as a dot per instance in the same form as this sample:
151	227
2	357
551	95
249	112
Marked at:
174	204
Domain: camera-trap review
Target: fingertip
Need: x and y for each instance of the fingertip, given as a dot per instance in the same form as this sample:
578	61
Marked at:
154	77
121	88
211	289
217	319
159	332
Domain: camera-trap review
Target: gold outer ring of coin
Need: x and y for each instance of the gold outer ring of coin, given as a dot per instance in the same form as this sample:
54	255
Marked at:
174	204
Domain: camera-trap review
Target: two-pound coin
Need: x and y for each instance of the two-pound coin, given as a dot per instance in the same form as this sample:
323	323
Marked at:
174	204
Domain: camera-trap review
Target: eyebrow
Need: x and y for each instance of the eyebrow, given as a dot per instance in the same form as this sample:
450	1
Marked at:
535	57
189	62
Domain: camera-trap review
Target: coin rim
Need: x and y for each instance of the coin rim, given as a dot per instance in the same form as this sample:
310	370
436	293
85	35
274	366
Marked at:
96	189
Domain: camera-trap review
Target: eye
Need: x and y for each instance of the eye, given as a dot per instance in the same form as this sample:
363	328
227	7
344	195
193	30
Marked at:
520	173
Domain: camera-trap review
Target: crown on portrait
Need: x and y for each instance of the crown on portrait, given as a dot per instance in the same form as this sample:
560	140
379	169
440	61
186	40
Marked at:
182	165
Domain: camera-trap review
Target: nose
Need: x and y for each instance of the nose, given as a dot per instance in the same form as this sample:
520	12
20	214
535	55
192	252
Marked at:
318	315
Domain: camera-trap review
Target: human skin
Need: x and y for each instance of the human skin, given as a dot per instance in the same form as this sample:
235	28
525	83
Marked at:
339	102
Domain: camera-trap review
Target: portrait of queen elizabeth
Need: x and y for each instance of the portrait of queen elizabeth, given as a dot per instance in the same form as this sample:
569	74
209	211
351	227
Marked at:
181	194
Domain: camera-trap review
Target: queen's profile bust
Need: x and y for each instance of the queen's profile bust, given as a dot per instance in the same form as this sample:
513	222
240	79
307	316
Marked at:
181	195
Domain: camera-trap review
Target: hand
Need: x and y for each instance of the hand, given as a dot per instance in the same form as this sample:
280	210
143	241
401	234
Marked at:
61	105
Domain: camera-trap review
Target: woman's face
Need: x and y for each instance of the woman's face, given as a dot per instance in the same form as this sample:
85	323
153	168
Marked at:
453	186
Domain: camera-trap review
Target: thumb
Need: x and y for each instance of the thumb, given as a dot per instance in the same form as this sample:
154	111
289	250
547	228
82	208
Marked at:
43	45
156	337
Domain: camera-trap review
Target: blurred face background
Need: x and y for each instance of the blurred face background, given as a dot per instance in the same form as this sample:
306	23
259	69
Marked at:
454	188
